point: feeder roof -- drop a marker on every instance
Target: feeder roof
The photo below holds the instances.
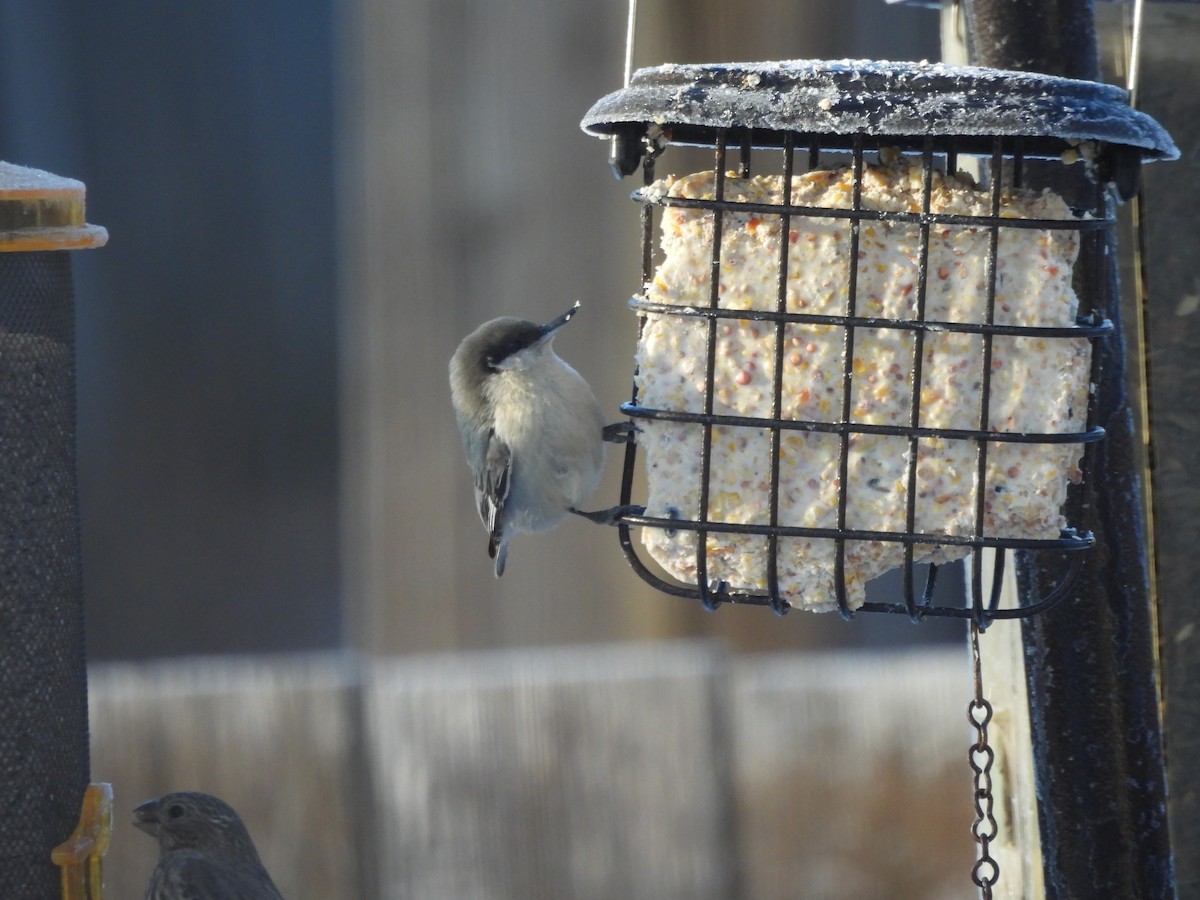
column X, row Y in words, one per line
column 875, row 98
column 41, row 211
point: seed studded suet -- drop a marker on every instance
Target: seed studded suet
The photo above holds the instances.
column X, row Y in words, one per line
column 1037, row 385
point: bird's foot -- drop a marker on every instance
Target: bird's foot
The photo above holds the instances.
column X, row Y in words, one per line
column 717, row 593
column 611, row 516
column 620, row 432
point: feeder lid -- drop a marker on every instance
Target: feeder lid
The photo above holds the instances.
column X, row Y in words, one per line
column 40, row 211
column 877, row 98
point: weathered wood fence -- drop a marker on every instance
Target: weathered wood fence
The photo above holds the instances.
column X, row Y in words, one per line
column 629, row 771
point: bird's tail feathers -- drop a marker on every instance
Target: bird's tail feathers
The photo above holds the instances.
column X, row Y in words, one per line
column 498, row 550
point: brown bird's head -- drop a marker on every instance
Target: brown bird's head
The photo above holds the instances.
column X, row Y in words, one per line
column 192, row 821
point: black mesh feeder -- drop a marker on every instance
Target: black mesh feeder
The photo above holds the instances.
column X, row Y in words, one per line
column 44, row 766
column 866, row 342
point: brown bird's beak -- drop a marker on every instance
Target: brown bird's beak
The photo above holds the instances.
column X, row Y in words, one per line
column 145, row 817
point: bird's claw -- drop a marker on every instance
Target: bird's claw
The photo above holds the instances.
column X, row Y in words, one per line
column 620, row 432
column 611, row 516
column 716, row 594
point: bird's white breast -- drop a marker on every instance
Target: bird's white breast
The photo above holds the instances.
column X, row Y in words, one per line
column 550, row 419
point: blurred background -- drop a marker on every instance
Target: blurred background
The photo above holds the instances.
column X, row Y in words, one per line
column 289, row 601
column 310, row 203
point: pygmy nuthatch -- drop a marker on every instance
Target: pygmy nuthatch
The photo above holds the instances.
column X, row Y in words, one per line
column 532, row 428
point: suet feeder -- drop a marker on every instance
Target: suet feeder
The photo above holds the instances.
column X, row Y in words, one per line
column 864, row 342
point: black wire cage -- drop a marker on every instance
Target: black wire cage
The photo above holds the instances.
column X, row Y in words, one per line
column 855, row 354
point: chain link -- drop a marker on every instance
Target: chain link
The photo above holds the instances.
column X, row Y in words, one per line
column 981, row 756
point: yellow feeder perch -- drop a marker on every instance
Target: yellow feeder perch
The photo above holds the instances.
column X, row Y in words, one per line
column 81, row 856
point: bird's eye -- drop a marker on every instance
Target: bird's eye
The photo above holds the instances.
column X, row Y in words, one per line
column 507, row 350
column 175, row 810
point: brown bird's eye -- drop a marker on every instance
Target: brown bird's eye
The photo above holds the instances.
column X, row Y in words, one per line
column 174, row 811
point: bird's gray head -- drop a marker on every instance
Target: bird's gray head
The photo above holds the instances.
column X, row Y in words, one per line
column 192, row 821
column 500, row 344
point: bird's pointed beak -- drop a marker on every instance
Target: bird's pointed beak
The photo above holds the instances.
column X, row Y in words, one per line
column 559, row 321
column 145, row 817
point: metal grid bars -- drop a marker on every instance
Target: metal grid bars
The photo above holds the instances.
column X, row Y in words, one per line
column 857, row 321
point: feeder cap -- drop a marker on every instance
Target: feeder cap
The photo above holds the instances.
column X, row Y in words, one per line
column 40, row 211
column 849, row 97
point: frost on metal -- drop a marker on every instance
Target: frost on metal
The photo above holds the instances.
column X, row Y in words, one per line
column 878, row 98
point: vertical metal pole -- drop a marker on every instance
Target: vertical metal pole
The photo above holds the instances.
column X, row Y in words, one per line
column 1091, row 662
column 1166, row 269
column 1054, row 37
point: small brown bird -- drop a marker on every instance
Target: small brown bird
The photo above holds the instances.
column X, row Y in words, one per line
column 205, row 852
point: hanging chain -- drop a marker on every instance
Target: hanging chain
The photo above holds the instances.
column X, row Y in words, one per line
column 981, row 756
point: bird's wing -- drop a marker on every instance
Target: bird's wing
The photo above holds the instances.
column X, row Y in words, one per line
column 491, row 488
column 185, row 875
column 491, row 460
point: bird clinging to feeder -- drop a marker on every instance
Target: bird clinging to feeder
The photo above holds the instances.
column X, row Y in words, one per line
column 531, row 427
